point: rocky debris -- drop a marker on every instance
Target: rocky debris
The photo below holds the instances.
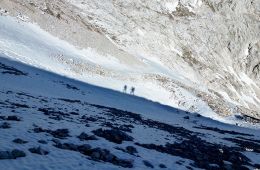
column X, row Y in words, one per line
column 162, row 166
column 96, row 154
column 42, row 141
column 59, row 133
column 19, row 141
column 87, row 118
column 125, row 128
column 70, row 146
column 246, row 144
column 12, row 154
column 186, row 117
column 203, row 153
column 39, row 130
column 38, row 151
column 137, row 119
column 69, row 86
column 70, row 101
column 74, row 113
column 251, row 118
column 17, row 105
column 148, row 164
column 131, row 150
column 13, row 118
column 17, row 153
column 5, row 125
column 11, row 70
column 113, row 135
column 56, row 115
column 221, row 131
column 84, row 136
column 105, row 155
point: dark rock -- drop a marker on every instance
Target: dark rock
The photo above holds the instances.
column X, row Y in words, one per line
column 13, row 118
column 198, row 115
column 91, row 119
column 148, row 164
column 74, row 113
column 38, row 150
column 85, row 149
column 18, row 105
column 221, row 131
column 11, row 70
column 124, row 163
column 95, row 155
column 84, row 136
column 19, row 141
column 17, row 153
column 5, row 155
column 5, row 125
column 42, row 141
column 203, row 153
column 113, row 135
column 186, row 117
column 109, row 157
column 38, row 130
column 60, row 133
column 67, row 146
column 131, row 150
column 162, row 166
column 257, row 166
column 246, row 143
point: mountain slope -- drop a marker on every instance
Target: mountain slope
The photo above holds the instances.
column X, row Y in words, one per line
column 60, row 123
column 202, row 55
column 61, row 105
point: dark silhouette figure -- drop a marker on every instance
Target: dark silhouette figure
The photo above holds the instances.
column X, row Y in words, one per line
column 132, row 91
column 125, row 89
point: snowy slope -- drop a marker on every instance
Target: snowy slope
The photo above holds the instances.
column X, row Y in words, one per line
column 39, row 103
column 51, row 92
column 33, row 46
column 200, row 56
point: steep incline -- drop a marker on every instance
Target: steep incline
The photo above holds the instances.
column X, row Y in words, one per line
column 51, row 122
column 199, row 55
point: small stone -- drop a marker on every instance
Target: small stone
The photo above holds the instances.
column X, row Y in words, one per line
column 17, row 153
column 19, row 141
column 85, row 149
column 68, row 146
column 84, row 136
column 95, row 155
column 162, row 166
column 113, row 135
column 186, row 117
column 148, row 164
column 60, row 133
column 39, row 151
column 42, row 141
column 131, row 150
column 109, row 157
column 5, row 155
column 5, row 125
column 13, row 118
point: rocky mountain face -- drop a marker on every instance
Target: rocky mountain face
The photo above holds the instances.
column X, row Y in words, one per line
column 207, row 48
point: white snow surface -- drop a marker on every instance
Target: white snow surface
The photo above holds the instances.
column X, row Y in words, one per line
column 28, row 43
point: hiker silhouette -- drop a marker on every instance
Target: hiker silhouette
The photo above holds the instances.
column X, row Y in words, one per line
column 125, row 89
column 132, row 91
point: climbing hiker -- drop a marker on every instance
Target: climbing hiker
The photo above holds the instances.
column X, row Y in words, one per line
column 132, row 91
column 125, row 88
